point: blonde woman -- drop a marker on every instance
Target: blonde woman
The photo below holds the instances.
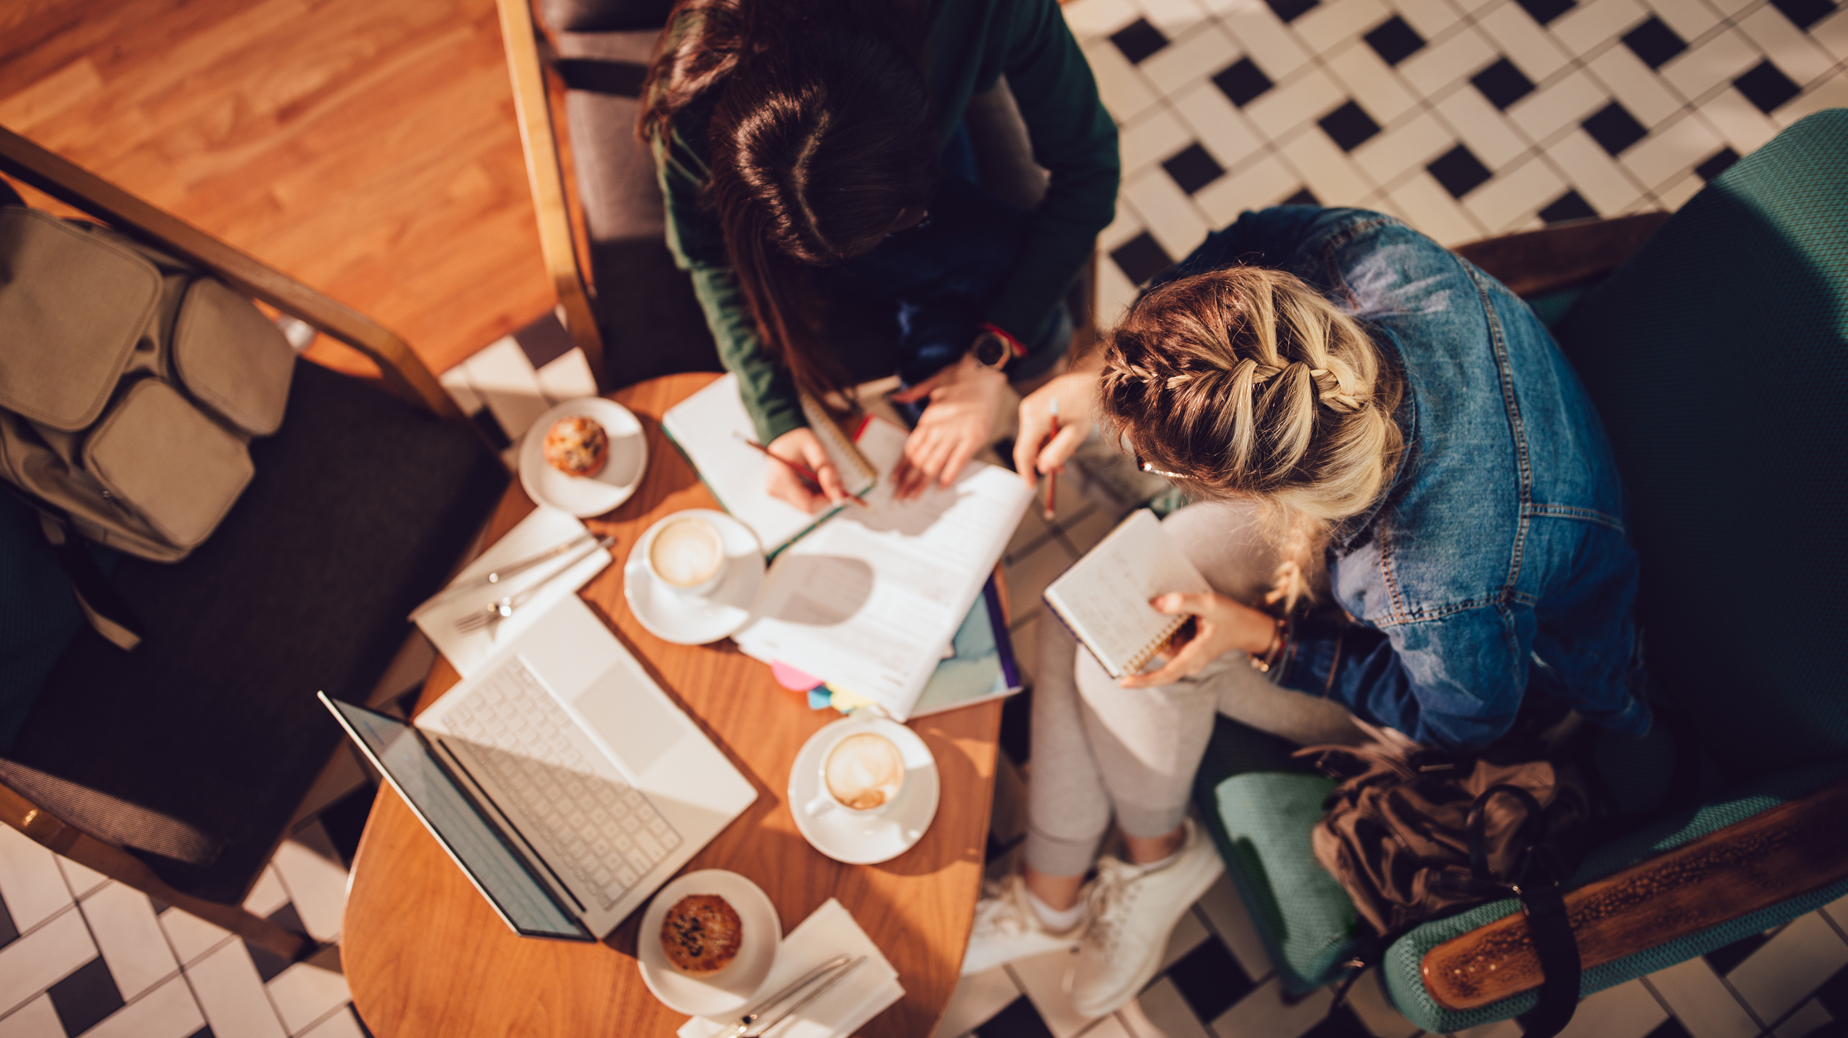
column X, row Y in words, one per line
column 1370, row 426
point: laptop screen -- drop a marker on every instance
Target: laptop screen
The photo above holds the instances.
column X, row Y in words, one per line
column 500, row 874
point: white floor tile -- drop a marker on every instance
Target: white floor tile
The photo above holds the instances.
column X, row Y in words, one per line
column 1788, row 967
column 1332, row 22
column 232, row 996
column 1371, row 1005
column 190, row 935
column 1170, row 216
column 1710, row 63
column 1304, row 99
column 123, row 923
column 1830, row 93
column 1266, row 181
column 1804, row 1021
column 1220, row 128
column 1794, row 52
column 1083, row 533
column 1109, row 1027
column 1642, row 91
column 1429, row 208
column 36, row 1019
column 1042, row 978
column 1093, row 18
column 1625, row 1011
column 1268, row 42
column 1737, row 120
column 455, row 380
column 1161, row 1012
column 1594, row 21
column 975, row 1000
column 30, row 880
column 1150, row 139
column 1676, row 193
column 1441, row 63
column 1428, row 17
column 1701, row 1001
column 1028, row 577
column 1196, row 56
column 1670, row 151
column 1124, row 92
column 168, row 1011
column 340, row 1025
column 1173, row 17
column 1126, row 225
column 1371, row 81
column 1558, row 105
column 1332, row 177
column 80, row 878
column 1832, row 33
column 1187, row 935
column 1599, row 180
column 1114, row 294
column 305, row 992
column 1523, row 41
column 1486, row 131
column 268, row 895
column 567, row 378
column 1409, row 145
column 1264, row 1014
column 316, row 880
column 1498, row 1029
column 37, row 960
column 1691, row 19
column 1514, row 194
column 1225, row 913
column 503, row 377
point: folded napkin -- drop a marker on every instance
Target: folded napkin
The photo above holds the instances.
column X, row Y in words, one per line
column 847, row 1006
column 556, row 578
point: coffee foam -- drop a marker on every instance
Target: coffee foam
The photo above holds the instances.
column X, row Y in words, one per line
column 686, row 551
column 864, row 771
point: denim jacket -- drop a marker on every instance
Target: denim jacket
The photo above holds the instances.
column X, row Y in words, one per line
column 1496, row 561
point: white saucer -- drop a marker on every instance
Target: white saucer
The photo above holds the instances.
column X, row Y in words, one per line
column 585, row 496
column 856, row 840
column 683, row 619
column 727, row 990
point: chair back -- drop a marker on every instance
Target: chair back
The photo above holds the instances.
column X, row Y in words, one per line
column 1717, row 358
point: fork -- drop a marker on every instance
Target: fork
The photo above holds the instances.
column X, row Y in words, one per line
column 504, row 607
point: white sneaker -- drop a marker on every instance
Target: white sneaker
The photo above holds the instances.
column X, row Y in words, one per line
column 1007, row 928
column 1133, row 910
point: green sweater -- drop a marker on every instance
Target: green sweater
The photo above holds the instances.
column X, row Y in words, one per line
column 972, row 44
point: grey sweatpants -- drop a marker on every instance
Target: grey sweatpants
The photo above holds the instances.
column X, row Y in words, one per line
column 1098, row 748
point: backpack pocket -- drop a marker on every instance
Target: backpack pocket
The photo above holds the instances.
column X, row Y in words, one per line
column 161, row 457
column 231, row 358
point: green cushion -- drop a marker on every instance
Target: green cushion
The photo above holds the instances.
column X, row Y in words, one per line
column 1401, row 969
column 1717, row 358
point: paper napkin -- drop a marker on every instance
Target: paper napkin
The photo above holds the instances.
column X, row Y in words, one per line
column 847, row 1006
column 556, row 578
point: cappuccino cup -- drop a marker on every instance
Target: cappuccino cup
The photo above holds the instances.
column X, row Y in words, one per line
column 688, row 555
column 862, row 772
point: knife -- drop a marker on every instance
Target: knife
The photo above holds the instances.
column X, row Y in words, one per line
column 509, row 570
column 752, row 1025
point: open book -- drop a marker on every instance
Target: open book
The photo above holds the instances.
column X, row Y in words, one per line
column 711, row 427
column 1104, row 597
column 868, row 601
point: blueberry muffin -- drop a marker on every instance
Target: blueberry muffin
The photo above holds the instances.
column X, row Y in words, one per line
column 577, row 446
column 701, row 934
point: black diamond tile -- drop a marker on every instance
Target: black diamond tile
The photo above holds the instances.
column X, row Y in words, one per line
column 1502, row 83
column 159, row 905
column 1717, row 163
column 1193, row 168
column 1303, row 196
column 1016, row 710
column 1138, row 40
column 1459, row 170
column 203, row 1032
column 544, row 340
column 1242, row 82
column 1544, row 11
column 1654, row 42
column 1018, row 1020
column 8, row 931
column 1290, row 10
column 1209, row 979
column 485, row 421
column 1140, row 259
column 1833, row 994
column 1342, row 1023
column 1670, row 1028
column 1766, row 86
column 1349, row 125
column 1805, row 13
column 268, row 963
column 1614, row 128
column 85, row 997
column 345, row 820
column 1568, row 206
column 1394, row 41
column 1724, row 959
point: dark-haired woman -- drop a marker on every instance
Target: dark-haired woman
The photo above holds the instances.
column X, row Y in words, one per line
column 812, row 154
column 1364, row 419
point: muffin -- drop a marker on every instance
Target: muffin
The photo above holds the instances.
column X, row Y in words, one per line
column 577, row 446
column 701, row 934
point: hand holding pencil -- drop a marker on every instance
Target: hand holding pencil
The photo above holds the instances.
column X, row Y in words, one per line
column 805, row 477
column 1054, row 420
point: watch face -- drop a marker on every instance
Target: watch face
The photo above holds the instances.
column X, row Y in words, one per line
column 990, row 350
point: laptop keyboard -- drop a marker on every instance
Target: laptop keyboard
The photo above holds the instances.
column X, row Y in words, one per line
column 608, row 833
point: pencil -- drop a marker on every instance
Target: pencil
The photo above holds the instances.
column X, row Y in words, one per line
column 1052, row 478
column 807, row 475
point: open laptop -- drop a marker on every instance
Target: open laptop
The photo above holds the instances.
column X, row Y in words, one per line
column 562, row 780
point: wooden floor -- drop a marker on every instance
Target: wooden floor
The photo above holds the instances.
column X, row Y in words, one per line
column 366, row 147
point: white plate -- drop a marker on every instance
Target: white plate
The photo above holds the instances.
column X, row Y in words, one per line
column 727, row 990
column 684, row 619
column 855, row 839
column 585, row 496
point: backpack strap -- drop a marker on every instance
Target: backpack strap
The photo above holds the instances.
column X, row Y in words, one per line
column 101, row 605
column 1537, row 884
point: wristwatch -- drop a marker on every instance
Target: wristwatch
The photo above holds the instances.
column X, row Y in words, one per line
column 994, row 348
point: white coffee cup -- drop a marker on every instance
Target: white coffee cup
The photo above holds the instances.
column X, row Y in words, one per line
column 862, row 773
column 687, row 554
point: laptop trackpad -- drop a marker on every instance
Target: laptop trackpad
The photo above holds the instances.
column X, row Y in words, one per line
column 635, row 724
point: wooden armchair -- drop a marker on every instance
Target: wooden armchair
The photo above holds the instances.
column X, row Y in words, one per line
column 1712, row 345
column 176, row 767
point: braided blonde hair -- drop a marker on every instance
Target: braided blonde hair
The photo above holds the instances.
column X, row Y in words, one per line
column 1246, row 382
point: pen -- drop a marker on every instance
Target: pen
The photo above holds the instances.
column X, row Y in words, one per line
column 807, row 475
column 1052, row 478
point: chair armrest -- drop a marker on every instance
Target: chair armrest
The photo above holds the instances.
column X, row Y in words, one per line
column 545, row 179
column 70, row 183
column 1539, row 261
column 1771, row 857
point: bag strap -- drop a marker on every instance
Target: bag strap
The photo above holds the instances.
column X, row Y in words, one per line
column 1537, row 883
column 101, row 605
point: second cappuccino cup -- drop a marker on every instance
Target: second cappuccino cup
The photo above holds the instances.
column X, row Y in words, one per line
column 688, row 555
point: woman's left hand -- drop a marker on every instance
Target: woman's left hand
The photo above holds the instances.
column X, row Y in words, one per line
column 964, row 400
column 1221, row 625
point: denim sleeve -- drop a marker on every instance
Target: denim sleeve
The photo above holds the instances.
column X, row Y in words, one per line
column 1454, row 682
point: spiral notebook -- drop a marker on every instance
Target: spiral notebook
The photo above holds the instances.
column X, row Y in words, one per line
column 1104, row 597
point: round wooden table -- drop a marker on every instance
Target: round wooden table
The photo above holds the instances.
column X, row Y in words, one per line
column 424, row 955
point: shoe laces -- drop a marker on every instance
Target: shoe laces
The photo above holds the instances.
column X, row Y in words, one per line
column 1113, row 896
column 1010, row 915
